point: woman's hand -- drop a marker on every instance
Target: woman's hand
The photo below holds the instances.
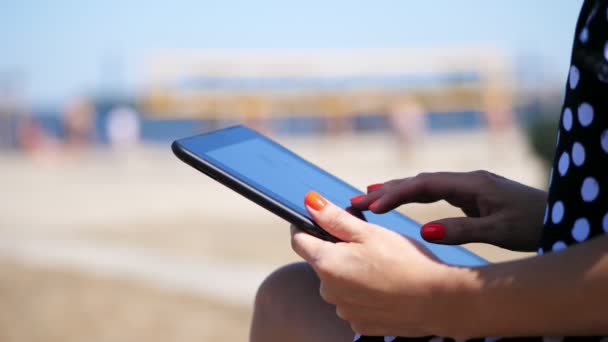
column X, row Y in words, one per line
column 385, row 284
column 381, row 282
column 500, row 211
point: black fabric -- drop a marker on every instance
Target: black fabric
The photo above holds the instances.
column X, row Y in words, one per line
column 574, row 185
column 577, row 206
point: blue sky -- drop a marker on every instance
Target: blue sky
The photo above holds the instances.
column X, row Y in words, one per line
column 58, row 48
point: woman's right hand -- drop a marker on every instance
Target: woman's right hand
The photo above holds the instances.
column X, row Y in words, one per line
column 499, row 211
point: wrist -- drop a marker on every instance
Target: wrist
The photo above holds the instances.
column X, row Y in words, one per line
column 455, row 303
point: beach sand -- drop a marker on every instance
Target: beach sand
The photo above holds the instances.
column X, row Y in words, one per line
column 107, row 245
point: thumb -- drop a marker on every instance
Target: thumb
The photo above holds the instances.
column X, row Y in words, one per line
column 457, row 230
column 333, row 219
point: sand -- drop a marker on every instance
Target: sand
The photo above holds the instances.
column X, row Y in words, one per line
column 129, row 245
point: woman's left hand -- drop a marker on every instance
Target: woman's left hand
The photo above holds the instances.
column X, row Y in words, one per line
column 381, row 282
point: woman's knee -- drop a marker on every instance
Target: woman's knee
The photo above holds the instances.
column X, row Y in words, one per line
column 284, row 287
column 288, row 307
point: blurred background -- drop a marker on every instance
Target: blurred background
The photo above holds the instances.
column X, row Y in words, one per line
column 105, row 236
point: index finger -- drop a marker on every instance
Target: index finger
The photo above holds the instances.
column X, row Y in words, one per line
column 307, row 246
column 454, row 187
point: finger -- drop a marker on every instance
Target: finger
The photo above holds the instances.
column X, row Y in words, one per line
column 335, row 220
column 374, row 191
column 326, row 294
column 356, row 213
column 459, row 230
column 456, row 188
column 307, row 246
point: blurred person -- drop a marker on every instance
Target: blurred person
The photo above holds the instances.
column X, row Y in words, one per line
column 33, row 139
column 497, row 113
column 407, row 122
column 380, row 283
column 30, row 135
column 6, row 128
column 79, row 116
column 123, row 126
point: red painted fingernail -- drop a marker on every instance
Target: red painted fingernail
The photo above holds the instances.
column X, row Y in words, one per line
column 357, row 198
column 373, row 187
column 372, row 205
column 432, row 231
column 315, row 201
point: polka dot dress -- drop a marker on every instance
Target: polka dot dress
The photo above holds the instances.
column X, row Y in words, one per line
column 577, row 208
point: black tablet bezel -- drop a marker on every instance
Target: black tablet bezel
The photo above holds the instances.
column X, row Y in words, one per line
column 236, row 134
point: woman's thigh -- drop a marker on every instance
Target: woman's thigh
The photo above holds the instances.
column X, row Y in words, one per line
column 288, row 307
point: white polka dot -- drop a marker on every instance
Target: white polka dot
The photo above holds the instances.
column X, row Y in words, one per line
column 590, row 189
column 567, row 119
column 580, row 230
column 558, row 246
column 491, row 339
column 389, row 338
column 541, row 251
column 357, row 336
column 578, row 154
column 574, row 76
column 585, row 114
column 584, row 36
column 546, row 213
column 605, row 222
column 604, row 140
column 606, row 50
column 557, row 213
column 437, row 339
column 564, row 163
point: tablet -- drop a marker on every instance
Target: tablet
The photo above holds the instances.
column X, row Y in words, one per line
column 277, row 179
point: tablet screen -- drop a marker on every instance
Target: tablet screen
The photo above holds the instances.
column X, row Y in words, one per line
column 282, row 175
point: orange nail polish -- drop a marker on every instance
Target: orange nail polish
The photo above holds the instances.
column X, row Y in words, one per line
column 357, row 198
column 315, row 201
column 373, row 187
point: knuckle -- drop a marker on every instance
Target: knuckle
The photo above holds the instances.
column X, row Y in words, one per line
column 354, row 326
column 337, row 219
column 324, row 268
column 296, row 243
column 390, row 187
column 391, row 183
column 484, row 177
column 342, row 313
column 423, row 175
column 364, row 329
column 387, row 190
column 423, row 180
column 326, row 294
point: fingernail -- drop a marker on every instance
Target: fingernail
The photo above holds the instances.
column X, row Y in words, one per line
column 432, row 231
column 373, row 187
column 357, row 198
column 373, row 205
column 315, row 201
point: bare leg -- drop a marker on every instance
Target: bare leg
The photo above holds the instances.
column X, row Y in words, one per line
column 288, row 308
